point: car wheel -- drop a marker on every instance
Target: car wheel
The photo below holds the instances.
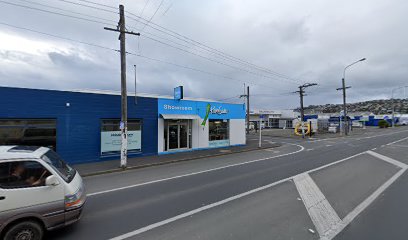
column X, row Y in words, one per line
column 27, row 230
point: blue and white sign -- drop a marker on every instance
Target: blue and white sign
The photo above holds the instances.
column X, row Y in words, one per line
column 112, row 141
column 213, row 110
column 178, row 93
column 218, row 143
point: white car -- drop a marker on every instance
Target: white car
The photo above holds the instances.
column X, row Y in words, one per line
column 38, row 192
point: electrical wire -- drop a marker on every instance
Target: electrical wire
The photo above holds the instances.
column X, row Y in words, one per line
column 153, row 39
column 84, row 5
column 154, row 14
column 209, row 49
column 99, row 4
column 55, row 13
column 69, row 11
column 199, row 43
column 130, row 53
column 57, row 36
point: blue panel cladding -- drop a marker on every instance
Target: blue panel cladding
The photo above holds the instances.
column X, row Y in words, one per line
column 79, row 125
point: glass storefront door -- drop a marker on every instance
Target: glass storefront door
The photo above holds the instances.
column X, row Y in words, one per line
column 173, row 137
column 183, row 129
column 178, row 136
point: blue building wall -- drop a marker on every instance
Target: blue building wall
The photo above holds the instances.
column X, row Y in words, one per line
column 78, row 126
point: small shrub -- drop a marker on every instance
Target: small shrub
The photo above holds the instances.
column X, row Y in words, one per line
column 383, row 124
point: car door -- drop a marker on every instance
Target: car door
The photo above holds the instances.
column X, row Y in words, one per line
column 23, row 191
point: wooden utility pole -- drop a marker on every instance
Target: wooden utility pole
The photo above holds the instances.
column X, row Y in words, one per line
column 302, row 111
column 121, row 28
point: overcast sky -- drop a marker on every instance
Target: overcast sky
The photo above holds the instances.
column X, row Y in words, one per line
column 304, row 41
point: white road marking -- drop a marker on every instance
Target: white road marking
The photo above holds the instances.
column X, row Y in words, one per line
column 310, row 149
column 323, row 216
column 362, row 206
column 388, row 159
column 360, row 138
column 398, row 145
column 328, row 145
column 388, row 144
column 195, row 173
column 195, row 211
column 330, row 234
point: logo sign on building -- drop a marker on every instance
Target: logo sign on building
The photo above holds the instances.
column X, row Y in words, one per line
column 218, row 110
column 178, row 93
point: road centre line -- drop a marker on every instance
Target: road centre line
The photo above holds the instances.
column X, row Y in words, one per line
column 388, row 144
column 195, row 173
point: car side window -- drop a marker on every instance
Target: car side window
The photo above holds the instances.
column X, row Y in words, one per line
column 22, row 174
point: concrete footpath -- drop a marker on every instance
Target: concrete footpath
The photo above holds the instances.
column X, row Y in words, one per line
column 95, row 168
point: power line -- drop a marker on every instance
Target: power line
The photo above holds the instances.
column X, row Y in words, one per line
column 144, row 7
column 154, row 14
column 84, row 5
column 148, row 22
column 64, row 10
column 201, row 44
column 153, row 39
column 55, row 13
column 99, row 4
column 210, row 59
column 209, row 49
column 57, row 36
column 134, row 54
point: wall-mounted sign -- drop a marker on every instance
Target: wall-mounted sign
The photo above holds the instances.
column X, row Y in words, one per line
column 219, row 143
column 218, row 110
column 178, row 93
column 206, row 110
column 111, row 141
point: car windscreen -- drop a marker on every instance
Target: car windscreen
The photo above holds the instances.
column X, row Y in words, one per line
column 63, row 169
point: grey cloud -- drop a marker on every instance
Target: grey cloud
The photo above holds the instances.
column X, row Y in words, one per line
column 312, row 41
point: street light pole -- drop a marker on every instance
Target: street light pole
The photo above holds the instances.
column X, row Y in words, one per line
column 343, row 81
column 393, row 103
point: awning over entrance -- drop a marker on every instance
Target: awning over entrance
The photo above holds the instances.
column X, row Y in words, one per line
column 180, row 116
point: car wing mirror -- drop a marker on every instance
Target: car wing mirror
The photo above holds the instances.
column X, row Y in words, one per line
column 52, row 181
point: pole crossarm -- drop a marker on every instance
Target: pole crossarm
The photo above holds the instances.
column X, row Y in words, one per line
column 118, row 30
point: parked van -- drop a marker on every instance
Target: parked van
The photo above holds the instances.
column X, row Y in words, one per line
column 38, row 192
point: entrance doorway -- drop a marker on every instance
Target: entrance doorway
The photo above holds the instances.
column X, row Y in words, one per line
column 178, row 134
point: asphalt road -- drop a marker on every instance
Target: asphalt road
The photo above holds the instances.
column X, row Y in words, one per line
column 254, row 195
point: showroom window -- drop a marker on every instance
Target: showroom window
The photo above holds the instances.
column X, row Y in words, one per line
column 218, row 129
column 111, row 136
column 31, row 132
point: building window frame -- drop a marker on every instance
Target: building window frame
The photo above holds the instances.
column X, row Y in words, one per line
column 114, row 128
column 30, row 129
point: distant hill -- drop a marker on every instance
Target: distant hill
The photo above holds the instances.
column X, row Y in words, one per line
column 373, row 106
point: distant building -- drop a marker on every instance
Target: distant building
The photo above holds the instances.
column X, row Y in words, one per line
column 274, row 118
